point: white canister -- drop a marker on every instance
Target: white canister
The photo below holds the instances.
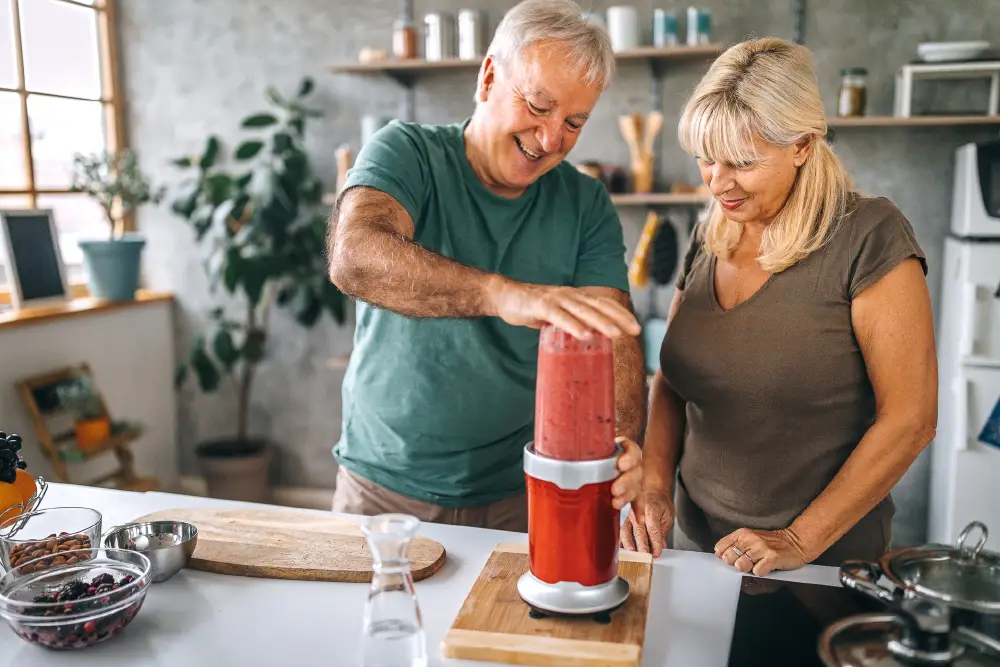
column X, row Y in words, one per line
column 370, row 124
column 623, row 27
column 471, row 34
column 439, row 36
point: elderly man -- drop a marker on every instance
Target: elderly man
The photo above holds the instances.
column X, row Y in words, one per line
column 460, row 242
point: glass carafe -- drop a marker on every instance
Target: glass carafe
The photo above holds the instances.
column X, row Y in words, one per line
column 393, row 632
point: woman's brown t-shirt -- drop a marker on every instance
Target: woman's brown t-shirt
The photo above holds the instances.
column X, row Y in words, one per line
column 776, row 388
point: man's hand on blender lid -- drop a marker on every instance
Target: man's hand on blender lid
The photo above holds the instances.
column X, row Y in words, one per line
column 626, row 488
column 569, row 308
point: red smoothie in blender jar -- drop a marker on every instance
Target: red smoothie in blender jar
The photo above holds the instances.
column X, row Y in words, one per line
column 575, row 397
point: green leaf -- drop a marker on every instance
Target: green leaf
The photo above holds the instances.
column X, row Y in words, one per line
column 233, row 269
column 224, row 349
column 217, row 313
column 285, row 295
column 211, row 153
column 186, row 200
column 306, row 306
column 259, row 120
column 218, row 187
column 335, row 301
column 180, row 375
column 248, row 149
column 204, row 368
column 274, row 97
column 255, row 275
column 282, row 142
column 222, row 212
column 305, row 87
column 182, row 162
column 244, row 180
column 298, row 124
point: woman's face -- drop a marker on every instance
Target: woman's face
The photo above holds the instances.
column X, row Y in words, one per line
column 755, row 192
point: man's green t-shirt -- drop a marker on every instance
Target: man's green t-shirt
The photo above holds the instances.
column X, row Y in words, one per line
column 440, row 409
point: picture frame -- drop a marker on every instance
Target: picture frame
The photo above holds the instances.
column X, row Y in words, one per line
column 29, row 247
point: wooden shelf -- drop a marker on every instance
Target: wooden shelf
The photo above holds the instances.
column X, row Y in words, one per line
column 911, row 121
column 659, row 199
column 414, row 66
column 76, row 307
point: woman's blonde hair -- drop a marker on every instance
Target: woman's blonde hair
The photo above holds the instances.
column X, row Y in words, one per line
column 766, row 90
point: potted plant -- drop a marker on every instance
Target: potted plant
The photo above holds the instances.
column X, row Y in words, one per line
column 81, row 398
column 116, row 182
column 263, row 224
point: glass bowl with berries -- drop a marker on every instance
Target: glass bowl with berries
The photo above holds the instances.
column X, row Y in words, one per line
column 47, row 536
column 79, row 605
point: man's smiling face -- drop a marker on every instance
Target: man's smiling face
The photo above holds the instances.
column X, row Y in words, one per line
column 534, row 110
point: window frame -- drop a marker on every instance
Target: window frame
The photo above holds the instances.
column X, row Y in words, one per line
column 110, row 99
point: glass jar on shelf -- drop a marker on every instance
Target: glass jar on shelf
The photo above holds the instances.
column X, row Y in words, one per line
column 404, row 40
column 853, row 95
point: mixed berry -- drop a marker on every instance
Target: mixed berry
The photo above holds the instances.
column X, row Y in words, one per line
column 10, row 462
column 76, row 598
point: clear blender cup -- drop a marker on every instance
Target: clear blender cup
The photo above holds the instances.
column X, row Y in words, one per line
column 575, row 397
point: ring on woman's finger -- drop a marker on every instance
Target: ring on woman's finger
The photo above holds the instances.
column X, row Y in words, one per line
column 743, row 554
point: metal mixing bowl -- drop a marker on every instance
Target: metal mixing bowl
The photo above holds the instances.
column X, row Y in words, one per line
column 168, row 544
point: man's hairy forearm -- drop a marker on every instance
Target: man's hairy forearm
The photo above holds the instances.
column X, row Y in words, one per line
column 373, row 261
column 629, row 388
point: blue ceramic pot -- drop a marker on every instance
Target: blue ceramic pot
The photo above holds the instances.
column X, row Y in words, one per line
column 113, row 267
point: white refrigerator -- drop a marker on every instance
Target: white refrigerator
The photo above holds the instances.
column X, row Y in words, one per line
column 965, row 455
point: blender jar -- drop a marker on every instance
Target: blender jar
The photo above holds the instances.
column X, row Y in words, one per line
column 575, row 397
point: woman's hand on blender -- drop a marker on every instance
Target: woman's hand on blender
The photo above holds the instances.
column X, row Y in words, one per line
column 626, row 488
column 649, row 521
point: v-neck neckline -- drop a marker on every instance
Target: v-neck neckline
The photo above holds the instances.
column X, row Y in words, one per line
column 714, row 298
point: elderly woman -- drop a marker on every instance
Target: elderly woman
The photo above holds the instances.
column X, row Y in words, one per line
column 799, row 379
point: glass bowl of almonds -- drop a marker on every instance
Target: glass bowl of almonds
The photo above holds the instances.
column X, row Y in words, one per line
column 46, row 537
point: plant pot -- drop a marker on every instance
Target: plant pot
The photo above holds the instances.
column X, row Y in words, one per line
column 237, row 470
column 92, row 433
column 112, row 266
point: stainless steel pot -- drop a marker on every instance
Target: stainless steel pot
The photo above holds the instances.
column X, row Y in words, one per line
column 964, row 578
column 942, row 608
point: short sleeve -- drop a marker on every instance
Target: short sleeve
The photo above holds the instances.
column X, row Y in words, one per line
column 882, row 238
column 694, row 247
column 393, row 161
column 601, row 257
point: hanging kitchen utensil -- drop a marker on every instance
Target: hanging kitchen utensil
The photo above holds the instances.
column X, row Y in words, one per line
column 638, row 272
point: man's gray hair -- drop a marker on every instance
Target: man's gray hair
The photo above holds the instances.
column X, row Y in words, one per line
column 562, row 22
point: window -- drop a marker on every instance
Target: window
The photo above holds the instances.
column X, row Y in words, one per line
column 58, row 96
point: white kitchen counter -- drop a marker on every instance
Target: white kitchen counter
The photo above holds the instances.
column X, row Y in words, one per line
column 197, row 618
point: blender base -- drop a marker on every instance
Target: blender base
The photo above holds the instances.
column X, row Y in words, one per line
column 569, row 598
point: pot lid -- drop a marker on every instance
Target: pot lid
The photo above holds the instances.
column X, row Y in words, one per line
column 964, row 576
column 876, row 640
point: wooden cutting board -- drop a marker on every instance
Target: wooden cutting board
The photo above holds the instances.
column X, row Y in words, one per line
column 280, row 544
column 493, row 624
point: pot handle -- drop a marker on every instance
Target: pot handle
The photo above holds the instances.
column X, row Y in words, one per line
column 862, row 576
column 972, row 553
column 977, row 641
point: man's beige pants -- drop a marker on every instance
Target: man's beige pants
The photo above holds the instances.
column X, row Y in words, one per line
column 356, row 495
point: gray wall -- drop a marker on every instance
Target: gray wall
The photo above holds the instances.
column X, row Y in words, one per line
column 192, row 67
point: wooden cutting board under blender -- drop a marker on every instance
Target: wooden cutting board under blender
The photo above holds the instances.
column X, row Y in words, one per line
column 285, row 544
column 493, row 624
